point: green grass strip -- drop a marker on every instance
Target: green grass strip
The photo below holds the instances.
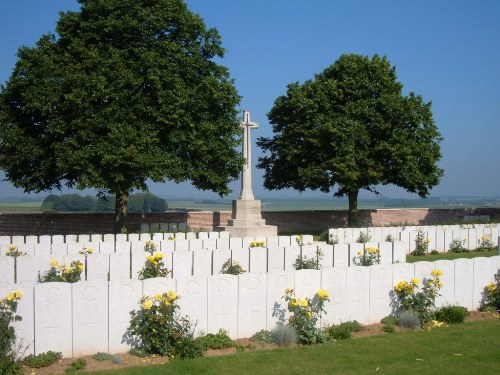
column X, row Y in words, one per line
column 469, row 348
column 449, row 256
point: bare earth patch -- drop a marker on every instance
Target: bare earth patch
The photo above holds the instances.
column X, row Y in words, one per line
column 128, row 360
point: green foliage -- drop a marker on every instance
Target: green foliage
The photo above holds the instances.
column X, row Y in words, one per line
column 389, row 320
column 284, row 335
column 485, row 244
column 370, row 257
column 389, row 238
column 456, row 246
column 434, row 252
column 218, row 340
column 62, row 272
column 343, row 330
column 305, row 313
column 232, row 267
column 409, row 319
column 350, row 129
column 42, row 360
column 9, row 361
column 158, row 329
column 263, row 337
column 77, row 365
column 491, row 294
column 154, row 266
column 138, row 352
column 128, row 92
column 420, row 302
column 389, row 328
column 363, row 237
column 102, row 356
column 306, row 263
column 451, row 314
column 421, row 244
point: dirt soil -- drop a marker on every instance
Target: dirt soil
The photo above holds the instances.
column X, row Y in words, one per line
column 128, row 360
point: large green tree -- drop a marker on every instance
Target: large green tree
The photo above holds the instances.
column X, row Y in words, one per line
column 351, row 128
column 124, row 92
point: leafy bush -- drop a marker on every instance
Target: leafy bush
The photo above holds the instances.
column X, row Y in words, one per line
column 138, row 352
column 102, row 356
column 492, row 295
column 422, row 303
column 343, row 330
column 159, row 331
column 369, row 258
column 154, row 266
column 306, row 263
column 284, row 335
column 389, row 320
column 363, row 237
column 232, row 267
column 42, row 360
column 486, row 244
column 218, row 340
column 421, row 244
column 456, row 246
column 409, row 319
column 389, row 328
column 9, row 361
column 62, row 272
column 451, row 314
column 389, row 238
column 305, row 314
column 77, row 365
column 263, row 337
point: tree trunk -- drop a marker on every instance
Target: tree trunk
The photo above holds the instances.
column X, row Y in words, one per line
column 121, row 209
column 353, row 209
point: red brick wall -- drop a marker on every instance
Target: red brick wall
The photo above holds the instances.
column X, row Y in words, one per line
column 286, row 221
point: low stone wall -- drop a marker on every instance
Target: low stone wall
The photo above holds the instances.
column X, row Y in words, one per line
column 286, row 221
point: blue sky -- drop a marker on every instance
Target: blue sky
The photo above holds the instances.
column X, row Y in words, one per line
column 447, row 51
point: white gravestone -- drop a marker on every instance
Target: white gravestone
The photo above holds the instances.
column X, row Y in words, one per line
column 27, row 269
column 124, row 296
column 59, row 249
column 224, row 235
column 209, row 244
column 53, row 314
column 464, row 282
column 223, row 304
column 119, row 267
column 272, row 241
column 107, row 247
column 5, row 240
column 236, row 243
column 6, row 270
column 71, row 238
column 133, row 237
column 245, row 242
column 202, row 235
column 275, row 259
column 31, row 240
column 251, row 303
column 194, row 301
column 223, row 244
column 202, row 263
column 213, row 235
column 333, row 280
column 98, row 267
column 195, row 245
column 182, row 264
column 122, row 247
column 473, row 239
column 423, row 270
column 440, row 246
column 355, row 249
column 341, row 255
column 447, row 292
column 137, row 247
column 277, row 311
column 291, row 255
column 258, row 260
column 74, row 248
column 326, row 260
column 285, row 241
column 46, row 240
column 398, row 252
column 358, row 293
column 307, row 283
column 380, row 291
column 218, row 259
column 58, row 239
column 167, row 245
column 241, row 256
column 96, row 237
column 182, row 245
column 158, row 285
column 495, row 265
column 385, row 252
column 83, row 238
column 145, row 236
column 109, row 237
column 90, row 317
column 191, row 236
column 157, row 237
column 482, row 277
column 17, row 240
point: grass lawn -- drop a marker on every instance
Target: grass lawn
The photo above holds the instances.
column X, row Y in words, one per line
column 450, row 256
column 468, row 348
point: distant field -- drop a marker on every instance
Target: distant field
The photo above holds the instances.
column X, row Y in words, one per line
column 9, row 207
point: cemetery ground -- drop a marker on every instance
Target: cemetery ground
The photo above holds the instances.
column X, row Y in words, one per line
column 466, row 348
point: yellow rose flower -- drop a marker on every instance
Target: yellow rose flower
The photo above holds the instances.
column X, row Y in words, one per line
column 304, row 303
column 147, row 304
column 491, row 287
column 322, row 294
column 171, row 295
column 288, row 291
column 158, row 296
column 415, row 281
column 53, row 263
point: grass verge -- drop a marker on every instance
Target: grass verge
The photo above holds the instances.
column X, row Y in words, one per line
column 449, row 256
column 469, row 348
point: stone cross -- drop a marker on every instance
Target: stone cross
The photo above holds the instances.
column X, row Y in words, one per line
column 246, row 178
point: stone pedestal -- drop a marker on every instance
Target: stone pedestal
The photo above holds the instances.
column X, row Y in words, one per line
column 246, row 220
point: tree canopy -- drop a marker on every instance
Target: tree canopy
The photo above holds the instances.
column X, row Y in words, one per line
column 351, row 128
column 126, row 91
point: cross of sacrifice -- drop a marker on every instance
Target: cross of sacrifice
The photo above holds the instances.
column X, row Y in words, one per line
column 246, row 177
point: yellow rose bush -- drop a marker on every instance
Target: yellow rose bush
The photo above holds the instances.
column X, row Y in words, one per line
column 154, row 266
column 61, row 272
column 370, row 257
column 156, row 328
column 258, row 244
column 305, row 314
column 13, row 251
column 419, row 297
column 491, row 295
column 9, row 361
column 232, row 267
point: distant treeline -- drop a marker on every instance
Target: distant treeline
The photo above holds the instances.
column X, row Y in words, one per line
column 140, row 202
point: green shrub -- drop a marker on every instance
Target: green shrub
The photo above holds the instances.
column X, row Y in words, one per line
column 263, row 337
column 42, row 360
column 389, row 320
column 434, row 252
column 306, row 263
column 421, row 244
column 456, row 246
column 9, row 354
column 389, row 328
column 284, row 335
column 451, row 314
column 102, row 356
column 138, row 352
column 218, row 340
column 154, row 266
column 77, row 365
column 62, row 272
column 408, row 319
column 363, row 237
column 338, row 332
column 491, row 295
column 232, row 267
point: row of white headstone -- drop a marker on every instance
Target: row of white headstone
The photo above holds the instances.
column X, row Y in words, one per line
column 127, row 264
column 440, row 236
column 89, row 317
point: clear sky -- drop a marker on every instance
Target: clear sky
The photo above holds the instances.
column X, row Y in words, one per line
column 448, row 51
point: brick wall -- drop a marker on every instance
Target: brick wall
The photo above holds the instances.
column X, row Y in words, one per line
column 286, row 221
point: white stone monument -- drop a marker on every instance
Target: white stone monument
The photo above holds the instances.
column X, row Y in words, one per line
column 246, row 219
